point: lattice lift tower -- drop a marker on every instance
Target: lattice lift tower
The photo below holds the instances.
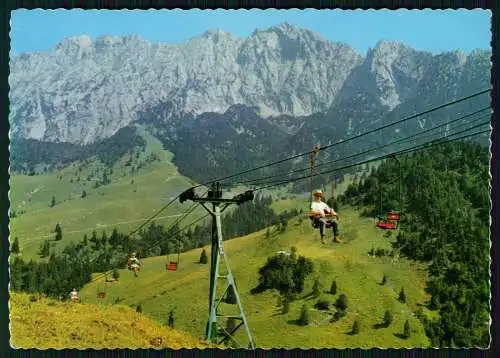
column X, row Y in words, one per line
column 218, row 262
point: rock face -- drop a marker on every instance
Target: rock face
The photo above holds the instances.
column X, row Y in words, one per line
column 83, row 91
column 277, row 92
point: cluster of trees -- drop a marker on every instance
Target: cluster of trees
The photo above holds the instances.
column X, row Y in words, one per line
column 285, row 273
column 54, row 278
column 445, row 222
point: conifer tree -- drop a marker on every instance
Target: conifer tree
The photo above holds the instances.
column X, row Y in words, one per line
column 387, row 318
column 333, row 288
column 355, row 328
column 230, row 324
column 406, row 329
column 15, row 246
column 286, row 305
column 230, row 296
column 171, row 319
column 342, row 302
column 116, row 274
column 203, row 257
column 402, row 296
column 304, row 316
column 316, row 288
column 44, row 250
column 58, row 232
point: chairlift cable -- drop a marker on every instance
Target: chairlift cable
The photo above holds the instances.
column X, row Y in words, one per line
column 252, row 182
column 413, row 116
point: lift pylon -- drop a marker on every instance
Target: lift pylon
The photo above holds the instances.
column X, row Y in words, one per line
column 220, row 269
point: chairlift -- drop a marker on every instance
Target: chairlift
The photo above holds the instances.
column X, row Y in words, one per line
column 134, row 267
column 172, row 265
column 101, row 292
column 385, row 224
column 393, row 215
column 392, row 218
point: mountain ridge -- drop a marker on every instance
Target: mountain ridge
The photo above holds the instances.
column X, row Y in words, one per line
column 85, row 90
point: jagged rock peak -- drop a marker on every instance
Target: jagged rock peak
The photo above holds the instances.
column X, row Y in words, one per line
column 81, row 40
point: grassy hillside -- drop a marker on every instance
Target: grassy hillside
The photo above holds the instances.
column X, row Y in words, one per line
column 45, row 323
column 124, row 203
column 356, row 273
column 140, row 183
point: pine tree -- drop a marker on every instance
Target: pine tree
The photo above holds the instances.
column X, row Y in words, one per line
column 316, row 288
column 44, row 250
column 203, row 257
column 304, row 316
column 293, row 254
column 230, row 296
column 58, row 232
column 402, row 296
column 230, row 324
column 16, row 274
column 406, row 330
column 387, row 318
column 355, row 328
column 333, row 288
column 104, row 239
column 284, row 225
column 114, row 238
column 171, row 319
column 85, row 240
column 138, row 308
column 286, row 305
column 384, row 280
column 116, row 274
column 53, row 202
column 342, row 302
column 15, row 246
column 84, row 194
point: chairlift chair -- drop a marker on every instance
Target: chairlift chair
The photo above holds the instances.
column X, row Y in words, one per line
column 172, row 265
column 101, row 293
column 393, row 215
column 385, row 224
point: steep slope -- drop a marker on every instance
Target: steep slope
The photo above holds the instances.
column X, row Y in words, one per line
column 185, row 291
column 42, row 323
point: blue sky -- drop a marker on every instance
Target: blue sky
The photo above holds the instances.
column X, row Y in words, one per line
column 431, row 30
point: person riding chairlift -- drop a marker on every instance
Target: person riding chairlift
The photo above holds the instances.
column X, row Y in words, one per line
column 74, row 295
column 321, row 213
column 133, row 263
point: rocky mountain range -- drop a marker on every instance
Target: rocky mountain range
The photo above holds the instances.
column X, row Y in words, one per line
column 277, row 91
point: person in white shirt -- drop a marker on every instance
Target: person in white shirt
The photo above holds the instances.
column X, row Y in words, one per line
column 321, row 213
column 74, row 295
column 134, row 264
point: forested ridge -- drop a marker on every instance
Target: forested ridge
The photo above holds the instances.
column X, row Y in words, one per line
column 445, row 222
